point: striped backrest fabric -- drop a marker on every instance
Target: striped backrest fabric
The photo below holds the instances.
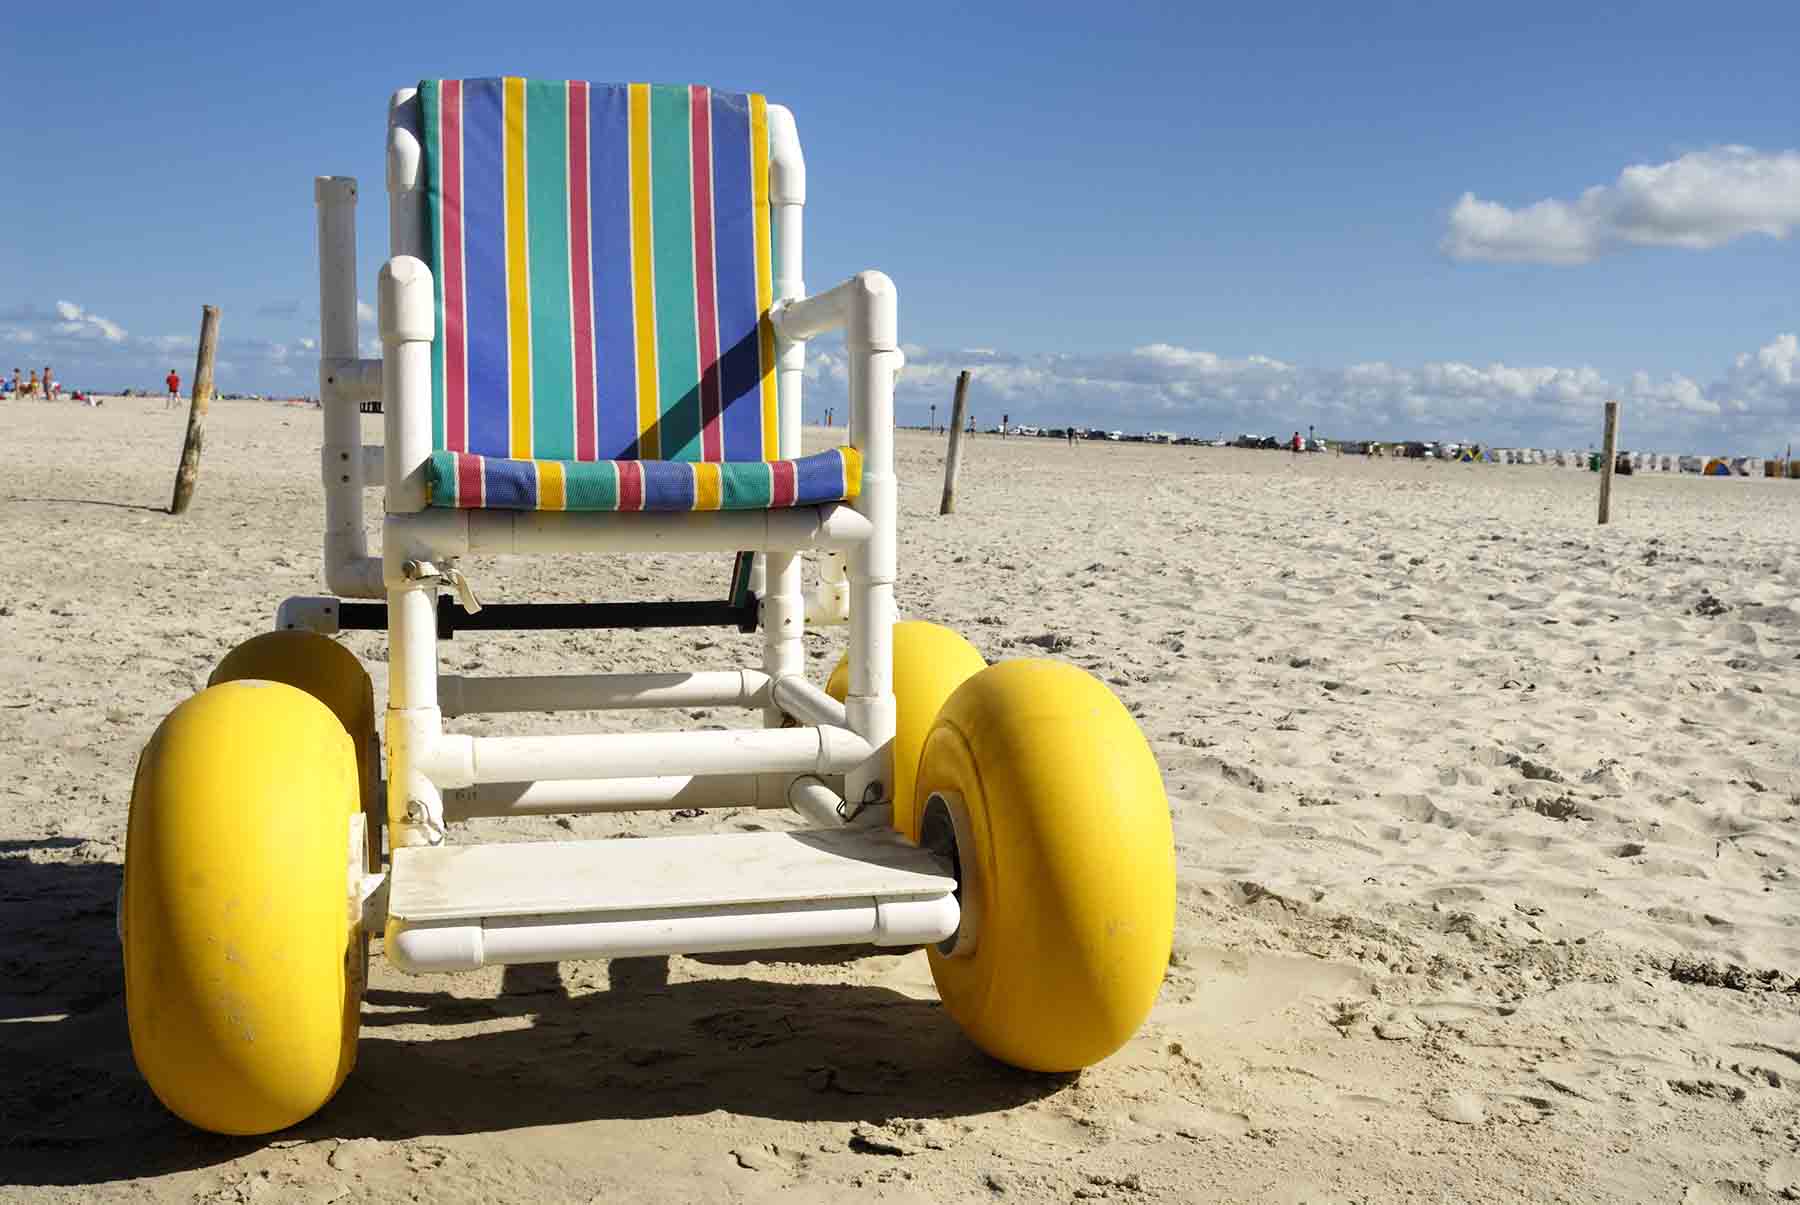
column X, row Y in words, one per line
column 603, row 261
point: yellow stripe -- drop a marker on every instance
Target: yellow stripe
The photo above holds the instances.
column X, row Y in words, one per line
column 643, row 274
column 765, row 287
column 518, row 271
column 553, row 492
column 852, row 472
column 708, row 486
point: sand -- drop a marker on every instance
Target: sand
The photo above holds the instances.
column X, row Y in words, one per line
column 1486, row 820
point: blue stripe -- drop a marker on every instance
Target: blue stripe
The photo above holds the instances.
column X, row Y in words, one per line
column 734, row 254
column 668, row 485
column 511, row 484
column 615, row 324
column 819, row 478
column 484, row 206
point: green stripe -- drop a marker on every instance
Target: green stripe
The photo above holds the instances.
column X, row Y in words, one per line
column 591, row 485
column 547, row 198
column 429, row 102
column 745, row 485
column 739, row 593
column 672, row 214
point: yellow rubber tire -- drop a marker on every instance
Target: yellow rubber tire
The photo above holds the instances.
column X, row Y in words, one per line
column 930, row 662
column 1070, row 881
column 330, row 673
column 243, row 972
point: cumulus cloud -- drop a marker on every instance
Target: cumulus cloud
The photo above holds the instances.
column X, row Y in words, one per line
column 89, row 350
column 1702, row 200
column 1162, row 385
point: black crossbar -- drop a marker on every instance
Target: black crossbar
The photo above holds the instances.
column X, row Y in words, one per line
column 535, row 617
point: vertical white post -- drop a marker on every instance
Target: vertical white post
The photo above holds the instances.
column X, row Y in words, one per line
column 783, row 600
column 414, row 724
column 348, row 570
column 872, row 340
column 405, row 175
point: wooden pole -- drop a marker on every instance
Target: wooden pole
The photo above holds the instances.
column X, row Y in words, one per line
column 1608, row 454
column 953, row 458
column 189, row 472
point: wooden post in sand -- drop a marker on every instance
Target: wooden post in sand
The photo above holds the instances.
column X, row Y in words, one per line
column 1608, row 453
column 953, row 458
column 189, row 472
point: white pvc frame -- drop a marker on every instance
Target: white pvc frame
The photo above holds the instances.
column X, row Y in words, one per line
column 842, row 752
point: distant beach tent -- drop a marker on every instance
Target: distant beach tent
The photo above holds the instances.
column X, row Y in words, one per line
column 1716, row 468
column 1468, row 455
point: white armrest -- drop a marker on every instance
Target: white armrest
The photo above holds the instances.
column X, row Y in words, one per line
column 866, row 305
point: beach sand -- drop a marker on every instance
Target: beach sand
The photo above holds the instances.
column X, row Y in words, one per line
column 1487, row 825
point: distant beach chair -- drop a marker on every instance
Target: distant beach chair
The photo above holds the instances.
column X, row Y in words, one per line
column 594, row 334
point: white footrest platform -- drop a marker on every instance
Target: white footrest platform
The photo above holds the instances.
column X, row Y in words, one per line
column 450, row 882
column 456, row 908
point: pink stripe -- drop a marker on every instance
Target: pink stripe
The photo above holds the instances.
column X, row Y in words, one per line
column 784, row 483
column 705, row 282
column 456, row 367
column 469, row 490
column 631, row 484
column 581, row 273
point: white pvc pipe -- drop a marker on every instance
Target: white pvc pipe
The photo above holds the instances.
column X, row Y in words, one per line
column 664, row 793
column 309, row 613
column 406, row 199
column 822, row 750
column 408, row 321
column 349, row 570
column 817, row 802
column 500, row 532
column 782, row 589
column 806, row 702
column 466, row 946
column 350, row 380
column 460, row 695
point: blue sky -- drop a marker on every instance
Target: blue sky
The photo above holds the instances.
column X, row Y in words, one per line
column 1139, row 215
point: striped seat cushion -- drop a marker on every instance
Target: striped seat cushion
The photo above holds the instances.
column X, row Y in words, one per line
column 602, row 255
column 465, row 479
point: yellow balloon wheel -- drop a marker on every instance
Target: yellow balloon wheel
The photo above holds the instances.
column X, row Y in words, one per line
column 330, row 673
column 243, row 970
column 930, row 662
column 1066, row 864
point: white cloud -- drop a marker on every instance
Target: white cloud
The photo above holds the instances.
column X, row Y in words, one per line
column 1702, row 200
column 88, row 350
column 1757, row 402
column 75, row 321
column 365, row 313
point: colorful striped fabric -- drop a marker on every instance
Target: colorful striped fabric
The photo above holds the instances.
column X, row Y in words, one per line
column 465, row 479
column 603, row 259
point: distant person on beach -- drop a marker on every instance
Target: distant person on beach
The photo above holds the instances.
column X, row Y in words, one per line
column 31, row 385
column 173, row 381
column 1003, row 421
column 1071, row 437
column 1295, row 443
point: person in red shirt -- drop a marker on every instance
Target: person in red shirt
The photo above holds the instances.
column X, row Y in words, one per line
column 173, row 381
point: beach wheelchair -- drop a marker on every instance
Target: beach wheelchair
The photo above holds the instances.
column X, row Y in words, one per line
column 593, row 335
